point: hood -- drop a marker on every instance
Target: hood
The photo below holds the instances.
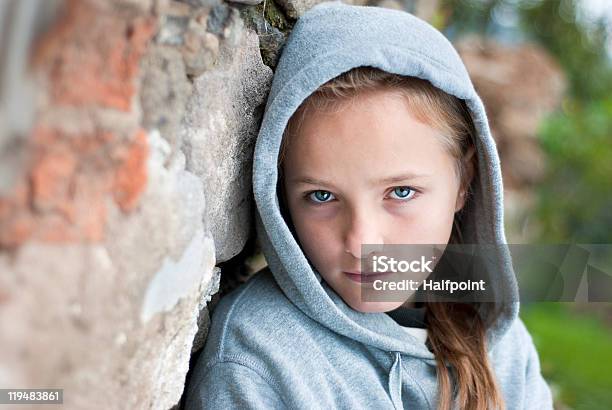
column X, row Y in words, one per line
column 327, row 40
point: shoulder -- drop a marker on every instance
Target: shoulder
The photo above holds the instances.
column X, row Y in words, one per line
column 236, row 367
column 257, row 340
column 246, row 320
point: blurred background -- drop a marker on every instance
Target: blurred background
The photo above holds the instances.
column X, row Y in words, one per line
column 126, row 137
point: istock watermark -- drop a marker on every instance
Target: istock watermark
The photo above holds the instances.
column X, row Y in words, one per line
column 386, row 264
column 430, row 285
column 487, row 273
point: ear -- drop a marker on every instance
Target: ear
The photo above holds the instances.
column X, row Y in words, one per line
column 468, row 159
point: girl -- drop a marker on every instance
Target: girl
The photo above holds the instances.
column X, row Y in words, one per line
column 372, row 134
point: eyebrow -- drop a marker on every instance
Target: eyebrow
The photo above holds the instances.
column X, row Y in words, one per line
column 381, row 181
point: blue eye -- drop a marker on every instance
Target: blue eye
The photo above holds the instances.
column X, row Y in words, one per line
column 404, row 192
column 320, row 198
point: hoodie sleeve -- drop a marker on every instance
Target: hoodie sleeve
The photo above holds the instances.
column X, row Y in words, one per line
column 537, row 392
column 231, row 385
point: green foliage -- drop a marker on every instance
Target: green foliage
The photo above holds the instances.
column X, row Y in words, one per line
column 470, row 15
column 274, row 15
column 580, row 50
column 575, row 200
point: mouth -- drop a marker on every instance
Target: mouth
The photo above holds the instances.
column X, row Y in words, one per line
column 365, row 276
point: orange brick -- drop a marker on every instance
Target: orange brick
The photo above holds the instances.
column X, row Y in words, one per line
column 131, row 176
column 51, row 180
column 17, row 229
column 92, row 57
column 70, row 177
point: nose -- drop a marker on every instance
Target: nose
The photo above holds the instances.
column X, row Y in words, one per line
column 362, row 228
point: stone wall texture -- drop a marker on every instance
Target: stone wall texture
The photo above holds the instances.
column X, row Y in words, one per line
column 127, row 184
column 127, row 129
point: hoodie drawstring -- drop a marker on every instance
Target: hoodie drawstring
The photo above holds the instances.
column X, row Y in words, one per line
column 395, row 382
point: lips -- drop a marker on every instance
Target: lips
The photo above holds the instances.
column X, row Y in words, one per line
column 365, row 276
column 363, row 273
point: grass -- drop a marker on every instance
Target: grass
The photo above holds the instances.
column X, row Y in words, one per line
column 575, row 354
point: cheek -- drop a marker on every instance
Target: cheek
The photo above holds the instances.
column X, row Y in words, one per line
column 428, row 222
column 315, row 235
column 437, row 223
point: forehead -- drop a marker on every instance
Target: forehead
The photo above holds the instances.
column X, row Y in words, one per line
column 375, row 128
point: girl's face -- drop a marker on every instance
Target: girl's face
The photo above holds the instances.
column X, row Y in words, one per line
column 367, row 174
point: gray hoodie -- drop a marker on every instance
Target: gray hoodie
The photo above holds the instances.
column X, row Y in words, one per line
column 285, row 339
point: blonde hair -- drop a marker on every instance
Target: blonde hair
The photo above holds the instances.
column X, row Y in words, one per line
column 456, row 333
